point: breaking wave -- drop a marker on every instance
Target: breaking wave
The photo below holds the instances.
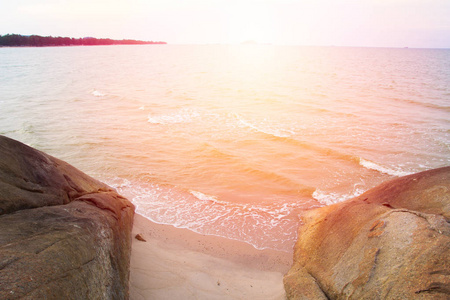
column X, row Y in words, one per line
column 277, row 132
column 98, row 93
column 389, row 171
column 264, row 226
column 331, row 198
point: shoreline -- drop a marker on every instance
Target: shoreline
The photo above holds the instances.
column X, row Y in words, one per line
column 176, row 262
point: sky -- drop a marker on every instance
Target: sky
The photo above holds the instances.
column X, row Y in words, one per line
column 366, row 23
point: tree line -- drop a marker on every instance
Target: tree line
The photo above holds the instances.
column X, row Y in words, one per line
column 42, row 41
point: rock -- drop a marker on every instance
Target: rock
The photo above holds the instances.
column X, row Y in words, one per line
column 392, row 242
column 63, row 234
column 139, row 237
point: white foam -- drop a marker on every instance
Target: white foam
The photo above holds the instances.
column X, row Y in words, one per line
column 271, row 225
column 333, row 198
column 98, row 93
column 203, row 197
column 278, row 132
column 373, row 166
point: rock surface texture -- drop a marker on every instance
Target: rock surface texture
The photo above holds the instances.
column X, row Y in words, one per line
column 63, row 234
column 392, row 242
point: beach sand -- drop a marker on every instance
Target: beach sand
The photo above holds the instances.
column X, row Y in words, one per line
column 177, row 263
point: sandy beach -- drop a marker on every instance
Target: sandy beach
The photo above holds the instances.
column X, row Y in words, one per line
column 177, row 263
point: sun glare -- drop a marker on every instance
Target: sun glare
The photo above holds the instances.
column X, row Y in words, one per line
column 249, row 22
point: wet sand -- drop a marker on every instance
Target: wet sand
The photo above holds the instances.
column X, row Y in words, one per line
column 177, row 263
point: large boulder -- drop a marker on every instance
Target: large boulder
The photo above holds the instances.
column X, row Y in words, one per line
column 63, row 234
column 392, row 242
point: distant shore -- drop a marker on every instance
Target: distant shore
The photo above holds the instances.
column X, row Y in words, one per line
column 17, row 40
column 176, row 262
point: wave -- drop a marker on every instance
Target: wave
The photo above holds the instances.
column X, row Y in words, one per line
column 263, row 225
column 329, row 152
column 329, row 198
column 288, row 136
column 277, row 132
column 98, row 93
column 389, row 171
column 445, row 108
column 271, row 132
column 333, row 198
column 181, row 116
column 204, row 197
column 279, row 182
column 234, row 121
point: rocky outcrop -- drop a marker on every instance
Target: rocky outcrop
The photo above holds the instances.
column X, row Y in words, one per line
column 392, row 242
column 63, row 234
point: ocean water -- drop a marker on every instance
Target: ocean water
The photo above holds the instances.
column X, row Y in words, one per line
column 235, row 141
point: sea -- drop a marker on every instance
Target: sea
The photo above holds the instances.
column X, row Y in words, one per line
column 235, row 141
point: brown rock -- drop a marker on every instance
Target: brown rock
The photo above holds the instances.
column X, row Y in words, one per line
column 392, row 242
column 63, row 234
column 139, row 237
